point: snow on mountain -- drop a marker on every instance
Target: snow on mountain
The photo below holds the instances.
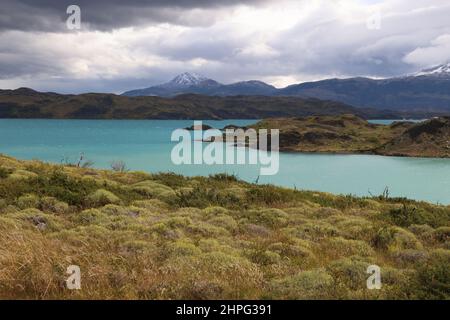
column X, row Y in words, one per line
column 428, row 88
column 442, row 70
column 187, row 79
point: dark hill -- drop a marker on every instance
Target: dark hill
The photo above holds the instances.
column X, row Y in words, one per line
column 351, row 134
column 430, row 138
column 27, row 103
column 407, row 93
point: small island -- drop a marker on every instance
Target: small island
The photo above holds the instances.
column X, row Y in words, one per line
column 351, row 134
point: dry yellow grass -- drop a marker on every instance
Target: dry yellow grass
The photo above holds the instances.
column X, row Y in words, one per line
column 162, row 236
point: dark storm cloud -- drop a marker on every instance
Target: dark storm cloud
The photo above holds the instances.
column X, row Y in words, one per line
column 50, row 15
column 278, row 41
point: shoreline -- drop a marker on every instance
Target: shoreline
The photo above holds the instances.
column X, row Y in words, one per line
column 243, row 180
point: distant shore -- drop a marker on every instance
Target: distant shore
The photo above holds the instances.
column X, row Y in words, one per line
column 349, row 134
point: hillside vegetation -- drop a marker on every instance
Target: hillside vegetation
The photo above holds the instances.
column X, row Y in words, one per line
column 351, row 134
column 163, row 236
column 27, row 103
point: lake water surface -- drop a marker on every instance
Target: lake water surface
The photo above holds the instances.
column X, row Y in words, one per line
column 145, row 145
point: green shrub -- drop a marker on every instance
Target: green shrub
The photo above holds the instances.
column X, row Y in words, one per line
column 296, row 250
column 60, row 185
column 313, row 284
column 90, row 216
column 166, row 231
column 51, row 204
column 350, row 273
column 263, row 257
column 214, row 245
column 22, row 175
column 206, row 230
column 170, row 179
column 154, row 205
column 339, row 247
column 3, row 204
column 272, row 217
column 224, row 221
column 9, row 209
column 182, row 248
column 234, row 192
column 433, row 276
column 224, row 177
column 178, row 222
column 4, row 172
column 153, row 189
column 202, row 197
column 215, row 210
column 410, row 257
column 255, row 230
column 407, row 215
column 354, row 228
column 211, row 275
column 442, row 234
column 269, row 195
column 101, row 197
column 322, row 213
column 423, row 231
column 316, row 230
column 138, row 247
column 100, row 182
column 396, row 239
column 28, row 201
column 39, row 219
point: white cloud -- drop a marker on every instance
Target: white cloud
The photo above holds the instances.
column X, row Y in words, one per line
column 279, row 42
column 437, row 52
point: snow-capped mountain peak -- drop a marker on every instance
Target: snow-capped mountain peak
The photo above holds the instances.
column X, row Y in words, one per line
column 442, row 70
column 188, row 79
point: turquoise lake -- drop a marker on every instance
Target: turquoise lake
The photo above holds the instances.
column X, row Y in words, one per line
column 146, row 145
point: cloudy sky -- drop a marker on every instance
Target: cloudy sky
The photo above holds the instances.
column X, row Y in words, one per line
column 132, row 44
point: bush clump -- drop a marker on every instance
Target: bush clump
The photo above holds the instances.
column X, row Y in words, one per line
column 396, row 239
column 209, row 276
column 102, row 197
column 225, row 221
column 313, row 284
column 153, row 189
column 406, row 215
column 28, row 201
column 350, row 273
column 51, row 204
column 263, row 257
column 4, row 172
column 433, row 276
column 442, row 234
column 90, row 216
column 340, row 247
column 22, row 175
column 272, row 218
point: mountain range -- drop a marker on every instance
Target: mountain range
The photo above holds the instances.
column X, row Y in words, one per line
column 198, row 84
column 28, row 103
column 425, row 91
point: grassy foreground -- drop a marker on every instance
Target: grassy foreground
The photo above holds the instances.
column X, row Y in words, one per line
column 163, row 236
